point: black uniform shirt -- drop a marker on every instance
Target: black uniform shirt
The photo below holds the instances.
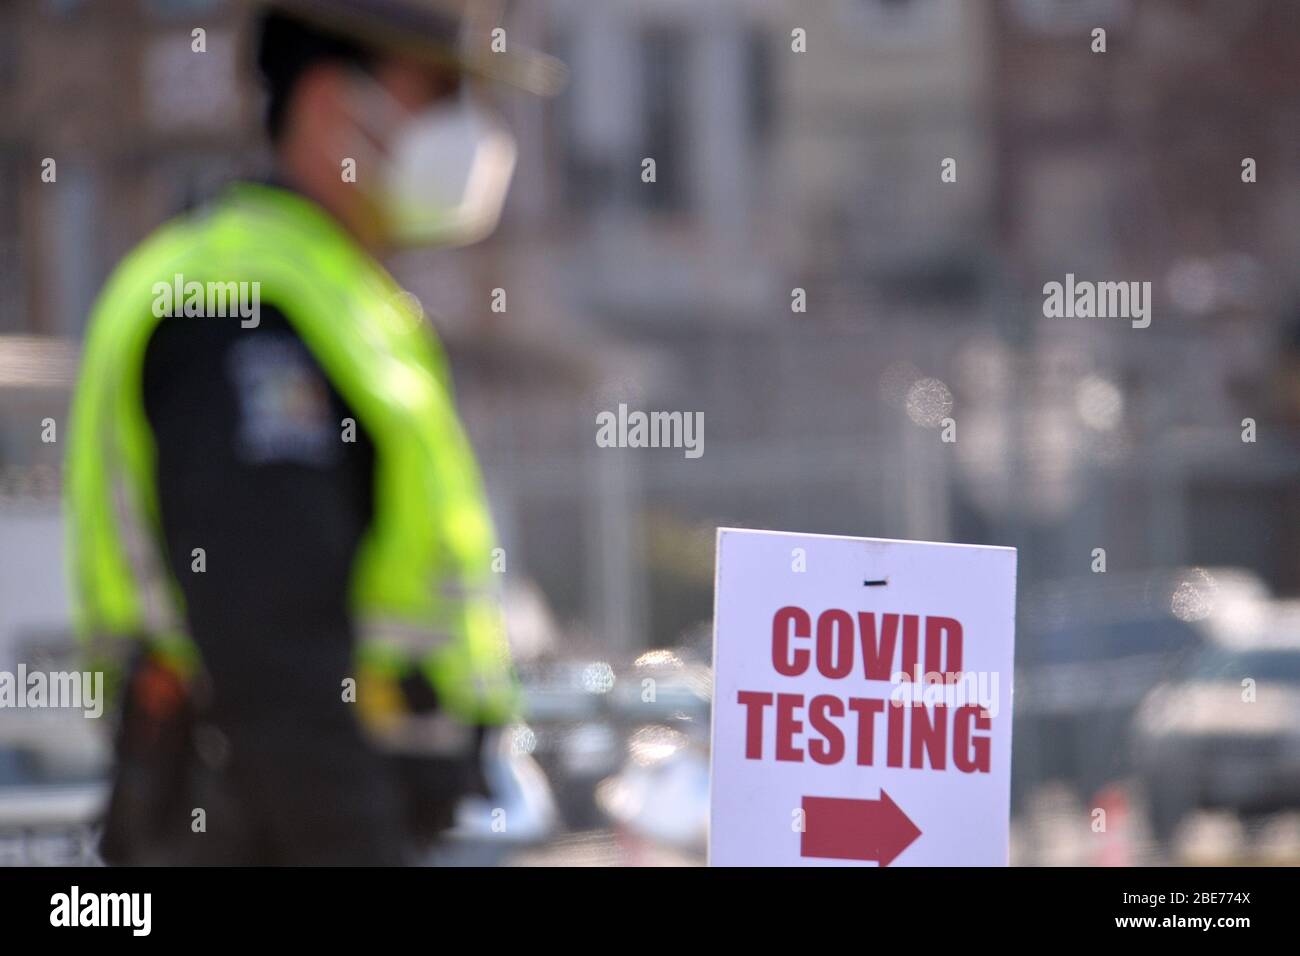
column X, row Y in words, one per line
column 254, row 470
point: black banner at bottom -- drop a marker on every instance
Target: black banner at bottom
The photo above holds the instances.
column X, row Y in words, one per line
column 598, row 907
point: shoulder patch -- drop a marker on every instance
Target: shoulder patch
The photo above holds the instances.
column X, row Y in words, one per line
column 284, row 402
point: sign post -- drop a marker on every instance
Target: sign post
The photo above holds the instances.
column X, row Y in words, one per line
column 862, row 701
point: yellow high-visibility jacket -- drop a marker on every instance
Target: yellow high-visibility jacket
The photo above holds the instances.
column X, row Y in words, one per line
column 422, row 590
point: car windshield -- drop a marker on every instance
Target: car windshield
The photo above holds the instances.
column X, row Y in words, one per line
column 1281, row 665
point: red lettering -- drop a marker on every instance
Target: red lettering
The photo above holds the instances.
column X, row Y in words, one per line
column 786, row 663
column 787, row 727
column 929, row 736
column 924, row 746
column 832, row 749
column 894, row 731
column 835, row 643
column 911, row 627
column 936, row 629
column 962, row 744
column 866, row 708
column 753, row 701
column 877, row 650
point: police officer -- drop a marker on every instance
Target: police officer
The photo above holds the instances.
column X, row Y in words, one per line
column 275, row 514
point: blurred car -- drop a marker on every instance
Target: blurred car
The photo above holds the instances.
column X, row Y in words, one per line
column 520, row 811
column 583, row 711
column 660, row 797
column 1226, row 733
column 1090, row 649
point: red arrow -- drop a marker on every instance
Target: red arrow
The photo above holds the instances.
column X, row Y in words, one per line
column 837, row 829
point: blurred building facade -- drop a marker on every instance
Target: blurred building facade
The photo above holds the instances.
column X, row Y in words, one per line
column 776, row 171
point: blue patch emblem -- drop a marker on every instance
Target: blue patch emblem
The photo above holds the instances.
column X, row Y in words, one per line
column 284, row 403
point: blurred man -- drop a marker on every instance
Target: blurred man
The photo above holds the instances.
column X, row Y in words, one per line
column 273, row 503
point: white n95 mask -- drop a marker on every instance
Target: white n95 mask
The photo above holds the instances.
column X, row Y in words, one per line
column 444, row 178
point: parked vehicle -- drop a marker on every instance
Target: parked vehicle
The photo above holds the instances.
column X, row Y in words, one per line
column 520, row 811
column 1225, row 733
column 1090, row 649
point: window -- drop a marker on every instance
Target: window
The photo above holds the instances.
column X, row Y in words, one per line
column 665, row 113
column 13, row 316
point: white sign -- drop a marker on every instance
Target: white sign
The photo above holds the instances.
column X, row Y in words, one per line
column 862, row 701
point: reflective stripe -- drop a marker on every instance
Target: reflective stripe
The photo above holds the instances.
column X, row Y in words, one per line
column 412, row 641
column 456, row 590
column 433, row 735
column 157, row 607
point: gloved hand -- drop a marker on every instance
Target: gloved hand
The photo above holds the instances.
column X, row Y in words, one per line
column 155, row 754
